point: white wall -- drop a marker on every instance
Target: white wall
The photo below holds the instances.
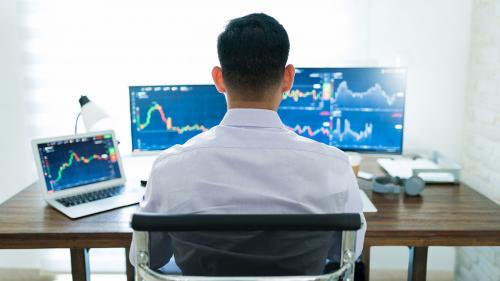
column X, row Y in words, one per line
column 16, row 166
column 482, row 132
column 53, row 51
column 432, row 39
column 396, row 258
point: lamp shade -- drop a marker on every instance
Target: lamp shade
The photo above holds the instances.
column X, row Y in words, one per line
column 94, row 117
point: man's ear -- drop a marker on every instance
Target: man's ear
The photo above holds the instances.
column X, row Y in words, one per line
column 288, row 77
column 218, row 80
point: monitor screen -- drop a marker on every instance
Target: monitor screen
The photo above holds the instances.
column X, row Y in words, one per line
column 78, row 161
column 162, row 116
column 354, row 109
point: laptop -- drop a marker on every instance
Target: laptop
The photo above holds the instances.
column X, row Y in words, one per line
column 80, row 175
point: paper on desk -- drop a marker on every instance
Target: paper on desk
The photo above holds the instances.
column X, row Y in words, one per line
column 437, row 177
column 403, row 168
column 368, row 206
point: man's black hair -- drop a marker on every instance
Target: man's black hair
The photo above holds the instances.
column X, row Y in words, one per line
column 253, row 51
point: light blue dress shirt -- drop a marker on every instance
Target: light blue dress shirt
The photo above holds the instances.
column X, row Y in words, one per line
column 250, row 163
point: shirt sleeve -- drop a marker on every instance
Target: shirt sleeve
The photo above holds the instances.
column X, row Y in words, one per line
column 353, row 205
column 160, row 244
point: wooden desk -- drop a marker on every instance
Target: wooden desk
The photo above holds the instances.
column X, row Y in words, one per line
column 445, row 215
column 27, row 222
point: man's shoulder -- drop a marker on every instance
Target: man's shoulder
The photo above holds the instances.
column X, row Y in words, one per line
column 314, row 146
column 289, row 141
column 195, row 142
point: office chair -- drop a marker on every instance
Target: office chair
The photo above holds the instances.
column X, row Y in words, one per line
column 143, row 223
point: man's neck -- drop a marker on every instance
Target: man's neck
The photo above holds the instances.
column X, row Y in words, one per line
column 270, row 104
column 252, row 104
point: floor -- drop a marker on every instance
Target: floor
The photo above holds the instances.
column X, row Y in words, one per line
column 36, row 275
column 396, row 275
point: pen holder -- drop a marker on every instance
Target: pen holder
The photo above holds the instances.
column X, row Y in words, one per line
column 355, row 160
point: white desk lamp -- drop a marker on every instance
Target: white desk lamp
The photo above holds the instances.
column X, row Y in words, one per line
column 94, row 117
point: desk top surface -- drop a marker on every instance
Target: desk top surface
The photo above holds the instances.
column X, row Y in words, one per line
column 447, row 215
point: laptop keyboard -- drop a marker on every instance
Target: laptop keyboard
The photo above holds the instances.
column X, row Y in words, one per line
column 91, row 196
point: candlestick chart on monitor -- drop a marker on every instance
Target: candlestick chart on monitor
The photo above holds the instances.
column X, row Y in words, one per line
column 163, row 116
column 78, row 161
column 351, row 108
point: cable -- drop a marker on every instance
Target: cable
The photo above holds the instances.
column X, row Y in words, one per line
column 76, row 123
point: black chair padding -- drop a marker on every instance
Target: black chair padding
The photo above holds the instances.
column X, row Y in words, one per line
column 246, row 222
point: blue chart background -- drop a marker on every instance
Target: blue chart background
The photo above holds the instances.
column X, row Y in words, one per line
column 391, row 80
column 314, row 119
column 304, row 81
column 195, row 104
column 385, row 137
column 78, row 173
column 352, row 101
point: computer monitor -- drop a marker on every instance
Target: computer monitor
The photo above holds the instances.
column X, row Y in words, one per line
column 354, row 109
column 162, row 116
column 69, row 162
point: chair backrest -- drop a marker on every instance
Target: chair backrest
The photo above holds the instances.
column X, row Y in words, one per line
column 142, row 223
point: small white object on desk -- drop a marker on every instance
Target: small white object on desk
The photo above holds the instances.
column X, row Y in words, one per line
column 403, row 168
column 365, row 175
column 368, row 206
column 138, row 168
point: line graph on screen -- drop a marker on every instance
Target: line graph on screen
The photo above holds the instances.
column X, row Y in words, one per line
column 166, row 120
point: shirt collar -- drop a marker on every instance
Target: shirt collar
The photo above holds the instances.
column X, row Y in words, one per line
column 252, row 117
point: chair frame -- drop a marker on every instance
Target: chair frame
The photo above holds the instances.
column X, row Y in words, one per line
column 143, row 223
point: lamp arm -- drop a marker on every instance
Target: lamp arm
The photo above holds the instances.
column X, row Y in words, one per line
column 76, row 122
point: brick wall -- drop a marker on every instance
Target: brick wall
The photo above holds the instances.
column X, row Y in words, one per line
column 481, row 150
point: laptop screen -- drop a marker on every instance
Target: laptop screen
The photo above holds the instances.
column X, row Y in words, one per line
column 78, row 161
